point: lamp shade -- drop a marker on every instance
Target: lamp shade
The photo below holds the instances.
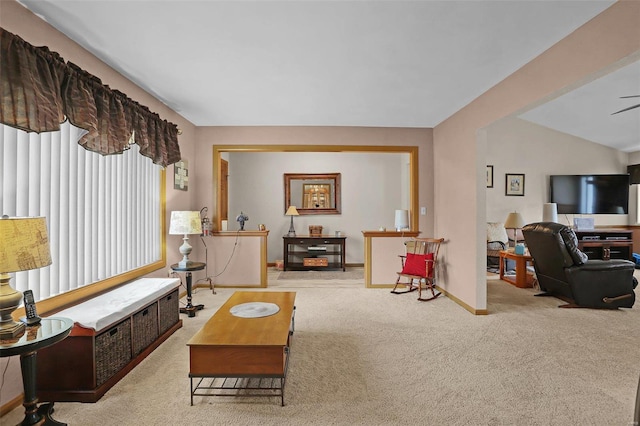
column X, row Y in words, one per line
column 550, row 212
column 292, row 211
column 402, row 219
column 514, row 221
column 185, row 222
column 24, row 244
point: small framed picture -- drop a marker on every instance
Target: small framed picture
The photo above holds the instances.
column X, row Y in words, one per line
column 489, row 176
column 514, row 184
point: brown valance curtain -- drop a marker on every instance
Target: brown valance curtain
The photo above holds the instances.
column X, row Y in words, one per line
column 39, row 90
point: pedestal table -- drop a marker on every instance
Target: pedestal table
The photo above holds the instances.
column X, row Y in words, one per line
column 48, row 332
column 190, row 309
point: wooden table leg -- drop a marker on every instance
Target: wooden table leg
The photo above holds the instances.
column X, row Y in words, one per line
column 521, row 272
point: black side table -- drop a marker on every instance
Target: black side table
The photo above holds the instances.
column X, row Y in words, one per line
column 46, row 333
column 190, row 309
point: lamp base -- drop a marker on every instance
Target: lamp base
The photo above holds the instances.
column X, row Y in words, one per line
column 184, row 263
column 9, row 301
column 292, row 230
column 12, row 329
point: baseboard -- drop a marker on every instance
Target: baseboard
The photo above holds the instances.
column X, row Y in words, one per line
column 348, row 265
column 463, row 304
column 11, row 405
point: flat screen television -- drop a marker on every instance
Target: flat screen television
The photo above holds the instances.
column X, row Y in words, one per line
column 590, row 194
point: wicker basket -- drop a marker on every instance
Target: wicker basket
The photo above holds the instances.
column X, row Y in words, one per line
column 113, row 351
column 169, row 311
column 315, row 261
column 145, row 328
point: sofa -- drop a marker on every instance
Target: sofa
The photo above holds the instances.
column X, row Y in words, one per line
column 566, row 272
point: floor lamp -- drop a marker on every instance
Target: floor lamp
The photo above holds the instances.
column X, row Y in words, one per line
column 206, row 231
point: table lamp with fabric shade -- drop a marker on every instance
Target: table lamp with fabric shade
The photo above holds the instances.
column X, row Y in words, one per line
column 402, row 220
column 185, row 223
column 514, row 221
column 24, row 245
column 550, row 212
column 292, row 211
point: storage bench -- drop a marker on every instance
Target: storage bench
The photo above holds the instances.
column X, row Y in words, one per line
column 112, row 333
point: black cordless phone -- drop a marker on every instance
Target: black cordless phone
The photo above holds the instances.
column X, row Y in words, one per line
column 30, row 308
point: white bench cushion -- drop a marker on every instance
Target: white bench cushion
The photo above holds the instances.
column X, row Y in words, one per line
column 102, row 311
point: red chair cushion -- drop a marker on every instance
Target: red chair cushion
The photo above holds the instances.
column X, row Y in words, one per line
column 416, row 264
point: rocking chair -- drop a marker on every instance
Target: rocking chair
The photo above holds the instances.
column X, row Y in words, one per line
column 419, row 267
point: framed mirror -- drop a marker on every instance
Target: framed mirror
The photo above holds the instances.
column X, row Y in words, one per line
column 312, row 193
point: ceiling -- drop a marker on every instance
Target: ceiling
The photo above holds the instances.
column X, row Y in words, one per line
column 587, row 112
column 342, row 63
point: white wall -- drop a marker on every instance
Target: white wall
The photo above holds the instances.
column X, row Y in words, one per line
column 373, row 185
column 519, row 146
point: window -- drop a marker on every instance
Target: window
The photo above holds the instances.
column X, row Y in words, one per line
column 104, row 213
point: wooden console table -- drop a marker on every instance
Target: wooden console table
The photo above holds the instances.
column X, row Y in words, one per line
column 243, row 356
column 299, row 248
column 523, row 279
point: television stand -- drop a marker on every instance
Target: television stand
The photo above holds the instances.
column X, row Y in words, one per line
column 606, row 244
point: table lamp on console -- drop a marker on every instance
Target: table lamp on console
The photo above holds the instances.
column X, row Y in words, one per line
column 292, row 211
column 401, row 222
column 24, row 245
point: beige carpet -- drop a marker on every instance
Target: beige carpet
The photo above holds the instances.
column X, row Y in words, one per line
column 367, row 357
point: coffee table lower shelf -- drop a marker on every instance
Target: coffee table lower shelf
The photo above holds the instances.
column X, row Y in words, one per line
column 243, row 356
column 243, row 386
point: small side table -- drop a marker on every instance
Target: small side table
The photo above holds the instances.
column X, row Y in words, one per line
column 48, row 332
column 523, row 279
column 190, row 309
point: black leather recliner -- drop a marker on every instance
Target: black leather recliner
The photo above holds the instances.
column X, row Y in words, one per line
column 565, row 272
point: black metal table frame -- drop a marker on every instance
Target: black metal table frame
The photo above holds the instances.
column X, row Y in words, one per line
column 34, row 414
column 189, row 309
column 249, row 385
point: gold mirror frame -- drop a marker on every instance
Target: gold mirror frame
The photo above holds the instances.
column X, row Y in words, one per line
column 332, row 180
column 411, row 150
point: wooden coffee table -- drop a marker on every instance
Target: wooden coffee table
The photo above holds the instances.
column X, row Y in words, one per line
column 234, row 356
column 523, row 278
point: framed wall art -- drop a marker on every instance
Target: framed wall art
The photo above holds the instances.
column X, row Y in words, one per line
column 514, row 184
column 181, row 175
column 489, row 176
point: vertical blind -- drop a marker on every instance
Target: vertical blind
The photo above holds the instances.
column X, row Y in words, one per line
column 103, row 212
